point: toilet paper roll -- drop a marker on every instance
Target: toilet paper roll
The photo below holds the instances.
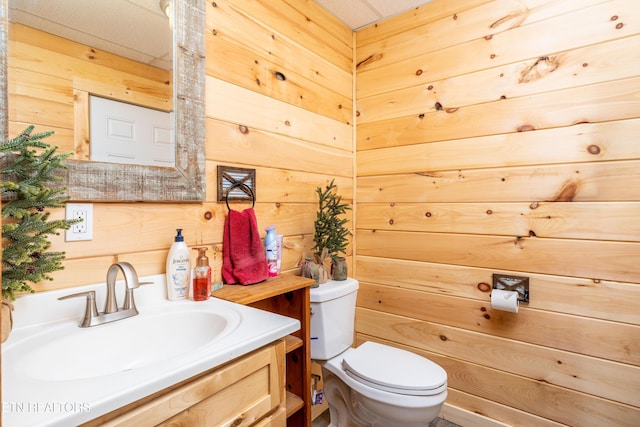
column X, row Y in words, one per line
column 504, row 300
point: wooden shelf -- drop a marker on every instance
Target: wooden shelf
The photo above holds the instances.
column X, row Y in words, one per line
column 289, row 296
column 292, row 343
column 294, row 403
column 263, row 290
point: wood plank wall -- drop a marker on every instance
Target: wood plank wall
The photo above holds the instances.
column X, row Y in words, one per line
column 493, row 136
column 496, row 136
column 279, row 99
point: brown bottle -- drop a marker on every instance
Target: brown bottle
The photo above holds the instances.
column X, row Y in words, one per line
column 201, row 276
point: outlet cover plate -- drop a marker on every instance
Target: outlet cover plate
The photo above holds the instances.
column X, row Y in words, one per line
column 83, row 230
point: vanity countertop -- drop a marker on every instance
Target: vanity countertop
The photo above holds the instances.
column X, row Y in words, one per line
column 57, row 374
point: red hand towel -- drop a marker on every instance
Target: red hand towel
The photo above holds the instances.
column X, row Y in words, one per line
column 244, row 261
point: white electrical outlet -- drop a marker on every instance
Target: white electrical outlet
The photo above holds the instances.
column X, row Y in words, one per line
column 82, row 230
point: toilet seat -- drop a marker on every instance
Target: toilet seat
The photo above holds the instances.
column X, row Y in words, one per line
column 394, row 370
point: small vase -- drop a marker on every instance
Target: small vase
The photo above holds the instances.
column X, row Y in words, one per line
column 309, row 269
column 339, row 269
column 312, row 270
column 7, row 319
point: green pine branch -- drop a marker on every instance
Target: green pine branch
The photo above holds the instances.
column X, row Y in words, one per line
column 330, row 231
column 29, row 170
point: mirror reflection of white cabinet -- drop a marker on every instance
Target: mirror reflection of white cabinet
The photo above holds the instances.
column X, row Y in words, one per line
column 131, row 134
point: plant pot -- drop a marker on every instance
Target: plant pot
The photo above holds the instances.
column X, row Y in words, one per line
column 7, row 319
column 312, row 270
column 339, row 269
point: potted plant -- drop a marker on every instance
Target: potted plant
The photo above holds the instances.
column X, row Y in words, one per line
column 330, row 237
column 29, row 168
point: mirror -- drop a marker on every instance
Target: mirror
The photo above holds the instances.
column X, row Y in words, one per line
column 109, row 182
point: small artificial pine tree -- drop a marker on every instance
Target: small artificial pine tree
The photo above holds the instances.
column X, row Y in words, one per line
column 330, row 232
column 28, row 168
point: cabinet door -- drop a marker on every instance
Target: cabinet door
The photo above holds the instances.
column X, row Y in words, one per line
column 238, row 394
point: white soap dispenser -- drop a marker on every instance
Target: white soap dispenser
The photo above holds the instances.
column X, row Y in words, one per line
column 178, row 268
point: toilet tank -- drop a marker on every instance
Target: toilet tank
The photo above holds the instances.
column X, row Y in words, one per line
column 333, row 309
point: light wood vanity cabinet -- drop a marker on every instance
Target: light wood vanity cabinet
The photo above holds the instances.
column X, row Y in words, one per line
column 249, row 391
column 289, row 296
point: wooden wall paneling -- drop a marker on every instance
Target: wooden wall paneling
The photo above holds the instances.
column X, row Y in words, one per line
column 44, row 95
column 324, row 25
column 235, row 26
column 415, row 18
column 59, row 45
column 585, row 182
column 556, row 403
column 312, row 27
column 586, row 142
column 122, row 224
column 41, row 113
column 243, row 144
column 593, row 337
column 600, row 299
column 598, row 260
column 245, row 107
column 62, row 137
column 577, row 220
column 29, row 57
column 598, row 377
column 508, row 131
column 460, row 27
column 601, row 102
column 468, row 409
column 553, row 71
column 276, row 80
column 289, row 186
column 35, row 84
column 584, row 27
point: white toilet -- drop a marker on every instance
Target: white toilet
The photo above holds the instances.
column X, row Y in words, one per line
column 374, row 384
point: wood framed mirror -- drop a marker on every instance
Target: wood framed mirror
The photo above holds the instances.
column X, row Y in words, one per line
column 113, row 182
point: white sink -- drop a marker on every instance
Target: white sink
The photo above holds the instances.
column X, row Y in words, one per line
column 133, row 343
column 55, row 373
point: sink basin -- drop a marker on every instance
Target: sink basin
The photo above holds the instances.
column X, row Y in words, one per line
column 56, row 374
column 133, row 343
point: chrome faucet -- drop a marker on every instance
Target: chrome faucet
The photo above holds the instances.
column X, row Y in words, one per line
column 131, row 283
column 111, row 311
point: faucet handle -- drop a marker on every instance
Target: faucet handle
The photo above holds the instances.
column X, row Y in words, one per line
column 90, row 310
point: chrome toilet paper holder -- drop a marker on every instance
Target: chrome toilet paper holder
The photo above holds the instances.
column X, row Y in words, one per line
column 520, row 284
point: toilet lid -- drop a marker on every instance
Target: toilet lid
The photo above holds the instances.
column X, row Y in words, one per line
column 394, row 370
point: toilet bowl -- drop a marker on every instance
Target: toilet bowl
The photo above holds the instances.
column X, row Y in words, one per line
column 373, row 384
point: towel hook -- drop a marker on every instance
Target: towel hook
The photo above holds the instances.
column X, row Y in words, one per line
column 245, row 189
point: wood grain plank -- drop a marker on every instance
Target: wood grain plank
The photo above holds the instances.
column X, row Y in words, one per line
column 572, row 220
column 303, row 27
column 553, row 71
column 554, row 403
column 589, row 259
column 462, row 26
column 597, row 377
column 234, row 26
column 585, row 182
column 241, row 67
column 615, row 100
column 590, row 337
column 600, row 299
column 412, row 19
column 586, row 142
column 243, row 144
column 584, row 27
column 244, row 107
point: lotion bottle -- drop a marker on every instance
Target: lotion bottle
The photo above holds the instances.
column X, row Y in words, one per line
column 201, row 276
column 178, row 268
